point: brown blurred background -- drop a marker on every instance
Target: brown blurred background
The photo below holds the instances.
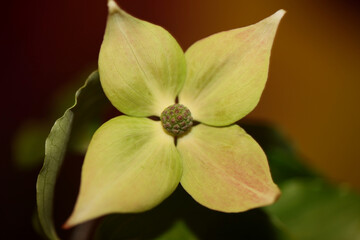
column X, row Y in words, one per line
column 312, row 92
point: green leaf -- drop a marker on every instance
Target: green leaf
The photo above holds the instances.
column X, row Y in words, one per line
column 55, row 149
column 314, row 209
column 88, row 98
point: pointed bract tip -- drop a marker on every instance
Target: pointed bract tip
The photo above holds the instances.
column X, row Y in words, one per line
column 66, row 226
column 112, row 6
column 279, row 14
column 69, row 223
column 274, row 18
column 273, row 195
column 278, row 195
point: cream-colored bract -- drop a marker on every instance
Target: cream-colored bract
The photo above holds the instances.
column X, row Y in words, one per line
column 227, row 72
column 141, row 65
column 129, row 160
column 132, row 165
column 237, row 165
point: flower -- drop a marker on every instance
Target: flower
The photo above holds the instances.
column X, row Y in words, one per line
column 132, row 163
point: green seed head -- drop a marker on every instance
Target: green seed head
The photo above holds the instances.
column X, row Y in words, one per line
column 176, row 119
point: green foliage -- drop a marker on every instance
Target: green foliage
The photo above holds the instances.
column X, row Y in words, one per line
column 28, row 141
column 55, row 148
column 314, row 209
column 89, row 99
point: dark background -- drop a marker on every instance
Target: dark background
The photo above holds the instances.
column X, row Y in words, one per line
column 312, row 92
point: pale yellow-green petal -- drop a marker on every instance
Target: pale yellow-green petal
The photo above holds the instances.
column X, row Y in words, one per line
column 225, row 169
column 142, row 67
column 227, row 72
column 131, row 166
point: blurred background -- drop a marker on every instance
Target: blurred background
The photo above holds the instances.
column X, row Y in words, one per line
column 312, row 93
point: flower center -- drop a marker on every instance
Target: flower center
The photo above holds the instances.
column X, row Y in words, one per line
column 176, row 119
